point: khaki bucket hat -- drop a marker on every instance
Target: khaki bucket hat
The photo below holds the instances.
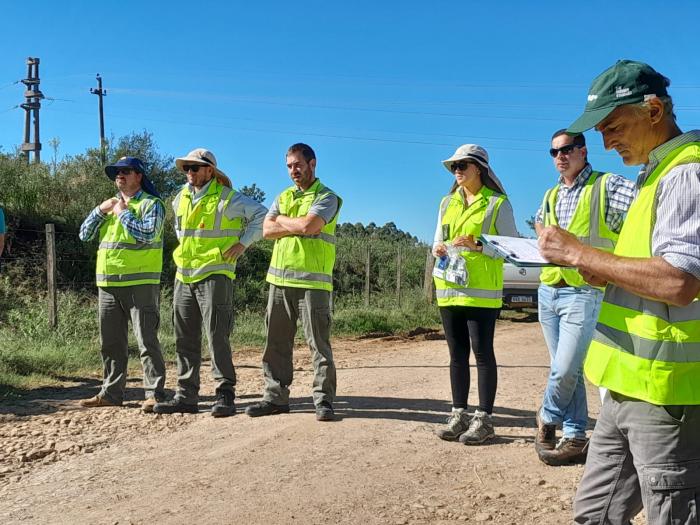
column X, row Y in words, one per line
column 479, row 155
column 206, row 158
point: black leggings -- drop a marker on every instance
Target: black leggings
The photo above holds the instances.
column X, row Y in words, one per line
column 462, row 323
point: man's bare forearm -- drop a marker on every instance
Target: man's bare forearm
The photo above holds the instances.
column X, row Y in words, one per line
column 653, row 277
column 274, row 230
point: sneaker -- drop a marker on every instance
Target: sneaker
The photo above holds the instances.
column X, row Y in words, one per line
column 546, row 438
column 265, row 408
column 569, row 451
column 175, row 405
column 224, row 405
column 98, row 401
column 480, row 429
column 325, row 412
column 457, row 424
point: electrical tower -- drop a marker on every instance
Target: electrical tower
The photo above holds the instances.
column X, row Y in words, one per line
column 31, row 106
column 101, row 93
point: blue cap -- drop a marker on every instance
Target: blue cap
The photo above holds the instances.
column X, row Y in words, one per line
column 136, row 165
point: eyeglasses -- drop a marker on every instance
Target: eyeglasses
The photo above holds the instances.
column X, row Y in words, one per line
column 564, row 150
column 124, row 171
column 460, row 165
column 194, row 168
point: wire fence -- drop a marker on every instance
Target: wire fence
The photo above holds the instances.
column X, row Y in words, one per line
column 365, row 269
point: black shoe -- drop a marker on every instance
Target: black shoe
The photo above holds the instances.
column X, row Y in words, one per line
column 324, row 412
column 265, row 408
column 224, row 405
column 175, row 405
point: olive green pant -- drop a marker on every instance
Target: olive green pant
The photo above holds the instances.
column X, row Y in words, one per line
column 141, row 303
column 207, row 303
column 285, row 306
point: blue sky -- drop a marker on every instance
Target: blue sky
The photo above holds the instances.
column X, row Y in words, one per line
column 383, row 91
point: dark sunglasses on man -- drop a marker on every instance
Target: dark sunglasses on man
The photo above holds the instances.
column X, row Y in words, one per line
column 194, row 168
column 564, row 150
column 125, row 171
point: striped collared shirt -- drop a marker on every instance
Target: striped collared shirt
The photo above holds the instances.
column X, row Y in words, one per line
column 144, row 229
column 676, row 233
column 619, row 191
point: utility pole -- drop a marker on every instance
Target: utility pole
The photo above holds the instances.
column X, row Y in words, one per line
column 101, row 93
column 31, row 105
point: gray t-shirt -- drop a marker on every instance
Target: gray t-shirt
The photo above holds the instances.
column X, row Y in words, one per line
column 325, row 207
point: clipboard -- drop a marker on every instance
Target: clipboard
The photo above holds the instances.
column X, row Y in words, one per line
column 516, row 250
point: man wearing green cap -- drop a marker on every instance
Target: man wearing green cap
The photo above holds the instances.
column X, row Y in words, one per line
column 644, row 452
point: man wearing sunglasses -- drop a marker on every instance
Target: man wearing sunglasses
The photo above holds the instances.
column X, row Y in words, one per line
column 302, row 222
column 645, row 451
column 129, row 261
column 591, row 205
column 214, row 225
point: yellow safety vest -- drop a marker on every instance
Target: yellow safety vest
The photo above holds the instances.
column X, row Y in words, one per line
column 205, row 233
column 587, row 224
column 642, row 348
column 485, row 286
column 304, row 261
column 121, row 259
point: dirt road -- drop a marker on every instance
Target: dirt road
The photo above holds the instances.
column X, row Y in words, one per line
column 379, row 464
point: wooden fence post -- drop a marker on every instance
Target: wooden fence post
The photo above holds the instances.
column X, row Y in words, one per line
column 428, row 283
column 367, row 265
column 51, row 274
column 398, row 276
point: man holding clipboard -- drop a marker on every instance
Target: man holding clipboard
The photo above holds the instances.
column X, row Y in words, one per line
column 591, row 205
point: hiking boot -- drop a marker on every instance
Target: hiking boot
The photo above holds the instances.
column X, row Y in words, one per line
column 569, row 451
column 148, row 404
column 97, row 402
column 480, row 429
column 175, row 405
column 546, row 438
column 457, row 424
column 324, row 412
column 265, row 408
column 224, row 405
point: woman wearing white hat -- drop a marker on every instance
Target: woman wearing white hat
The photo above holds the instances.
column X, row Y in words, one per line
column 469, row 285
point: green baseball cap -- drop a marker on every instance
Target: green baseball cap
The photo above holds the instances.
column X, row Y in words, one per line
column 627, row 82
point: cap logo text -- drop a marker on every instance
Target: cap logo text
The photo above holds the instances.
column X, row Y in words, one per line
column 622, row 92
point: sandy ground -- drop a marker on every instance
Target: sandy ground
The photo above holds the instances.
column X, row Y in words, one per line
column 380, row 463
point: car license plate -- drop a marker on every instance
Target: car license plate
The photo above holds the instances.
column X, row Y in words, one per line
column 521, row 299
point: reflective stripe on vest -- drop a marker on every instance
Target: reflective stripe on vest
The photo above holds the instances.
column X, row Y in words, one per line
column 121, row 259
column 591, row 218
column 468, row 292
column 304, row 261
column 204, row 233
column 104, row 245
column 301, row 276
column 642, row 348
column 485, row 280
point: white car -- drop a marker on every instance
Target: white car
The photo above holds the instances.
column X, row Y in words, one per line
column 520, row 286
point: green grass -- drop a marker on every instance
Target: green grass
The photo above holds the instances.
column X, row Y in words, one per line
column 33, row 355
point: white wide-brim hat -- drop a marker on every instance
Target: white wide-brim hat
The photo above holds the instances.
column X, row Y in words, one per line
column 479, row 155
column 206, row 158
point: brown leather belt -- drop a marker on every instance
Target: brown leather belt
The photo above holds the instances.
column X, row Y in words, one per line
column 560, row 284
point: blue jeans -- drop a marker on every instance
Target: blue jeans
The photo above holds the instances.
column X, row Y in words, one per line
column 568, row 317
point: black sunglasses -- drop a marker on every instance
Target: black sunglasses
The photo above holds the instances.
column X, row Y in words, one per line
column 124, row 171
column 194, row 168
column 564, row 149
column 460, row 165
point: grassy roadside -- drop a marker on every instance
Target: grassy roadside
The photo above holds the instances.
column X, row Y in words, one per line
column 32, row 355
